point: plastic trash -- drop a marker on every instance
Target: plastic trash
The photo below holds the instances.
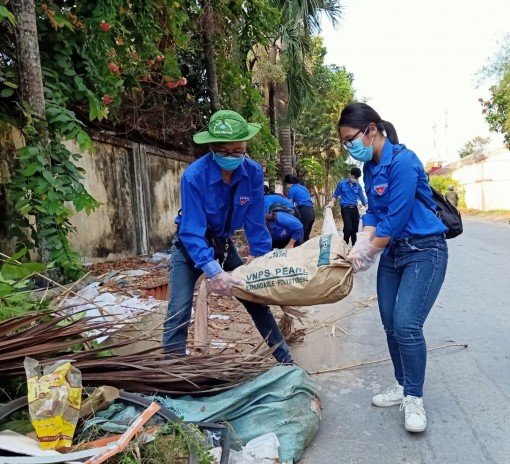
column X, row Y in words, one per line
column 159, row 257
column 260, row 450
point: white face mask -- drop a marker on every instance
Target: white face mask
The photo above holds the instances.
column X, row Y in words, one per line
column 354, row 180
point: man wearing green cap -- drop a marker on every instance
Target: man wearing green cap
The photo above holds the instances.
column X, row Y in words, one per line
column 221, row 192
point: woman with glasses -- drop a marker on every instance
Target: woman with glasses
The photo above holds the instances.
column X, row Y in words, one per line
column 221, row 192
column 301, row 197
column 411, row 241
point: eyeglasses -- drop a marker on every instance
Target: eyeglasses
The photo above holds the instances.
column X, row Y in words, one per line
column 348, row 143
column 235, row 155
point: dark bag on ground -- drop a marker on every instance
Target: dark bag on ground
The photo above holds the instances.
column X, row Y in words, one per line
column 448, row 213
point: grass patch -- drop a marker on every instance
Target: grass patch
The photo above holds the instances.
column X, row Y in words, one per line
column 502, row 215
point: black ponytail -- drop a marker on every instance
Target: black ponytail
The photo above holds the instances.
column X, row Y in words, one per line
column 391, row 133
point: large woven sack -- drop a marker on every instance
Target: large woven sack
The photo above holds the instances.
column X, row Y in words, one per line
column 313, row 273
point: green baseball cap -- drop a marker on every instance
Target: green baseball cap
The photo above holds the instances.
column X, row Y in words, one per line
column 227, row 126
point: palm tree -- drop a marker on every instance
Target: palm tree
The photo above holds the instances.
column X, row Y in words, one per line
column 293, row 45
column 32, row 88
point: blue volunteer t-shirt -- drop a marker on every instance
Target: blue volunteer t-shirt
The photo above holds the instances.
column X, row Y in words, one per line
column 300, row 195
column 391, row 187
column 205, row 202
column 349, row 193
column 284, row 226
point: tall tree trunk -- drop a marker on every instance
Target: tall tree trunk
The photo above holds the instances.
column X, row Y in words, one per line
column 32, row 90
column 210, row 60
column 28, row 56
column 284, row 129
column 271, row 114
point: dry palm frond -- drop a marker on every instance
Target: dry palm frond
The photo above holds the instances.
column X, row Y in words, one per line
column 291, row 334
column 48, row 336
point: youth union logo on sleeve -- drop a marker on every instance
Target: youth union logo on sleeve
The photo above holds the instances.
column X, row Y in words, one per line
column 381, row 188
column 244, row 200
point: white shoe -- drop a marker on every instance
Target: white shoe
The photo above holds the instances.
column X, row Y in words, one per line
column 415, row 415
column 389, row 397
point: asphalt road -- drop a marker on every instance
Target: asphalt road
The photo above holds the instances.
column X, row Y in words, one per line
column 467, row 390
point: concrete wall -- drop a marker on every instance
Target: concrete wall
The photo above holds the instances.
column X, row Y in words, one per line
column 487, row 183
column 138, row 188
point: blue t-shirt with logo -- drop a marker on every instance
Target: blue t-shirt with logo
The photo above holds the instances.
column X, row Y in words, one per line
column 391, row 188
column 205, row 202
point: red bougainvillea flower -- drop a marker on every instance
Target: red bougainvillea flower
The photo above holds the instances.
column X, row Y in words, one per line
column 171, row 85
column 105, row 26
column 107, row 100
column 182, row 81
column 113, row 67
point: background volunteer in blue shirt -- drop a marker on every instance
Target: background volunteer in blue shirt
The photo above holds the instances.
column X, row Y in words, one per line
column 220, row 193
column 286, row 230
column 349, row 192
column 300, row 195
column 277, row 202
column 411, row 241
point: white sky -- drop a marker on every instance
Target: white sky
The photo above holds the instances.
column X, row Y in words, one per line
column 414, row 60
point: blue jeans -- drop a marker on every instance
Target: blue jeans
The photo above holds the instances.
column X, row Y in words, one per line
column 408, row 281
column 183, row 276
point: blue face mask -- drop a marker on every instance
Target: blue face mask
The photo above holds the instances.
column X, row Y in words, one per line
column 359, row 152
column 228, row 163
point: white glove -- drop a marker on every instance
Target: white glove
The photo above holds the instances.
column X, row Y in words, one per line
column 363, row 254
column 222, row 283
column 362, row 238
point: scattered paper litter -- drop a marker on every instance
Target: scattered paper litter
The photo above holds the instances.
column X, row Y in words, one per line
column 218, row 344
column 20, row 444
column 108, row 306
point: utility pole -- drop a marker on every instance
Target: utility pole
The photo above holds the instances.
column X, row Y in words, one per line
column 446, row 134
column 434, row 139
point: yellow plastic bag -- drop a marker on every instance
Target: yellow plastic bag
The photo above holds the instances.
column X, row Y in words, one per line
column 54, row 401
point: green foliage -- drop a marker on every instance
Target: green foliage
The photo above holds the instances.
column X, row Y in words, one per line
column 314, row 171
column 475, row 146
column 441, row 183
column 46, row 181
column 316, row 136
column 16, row 297
column 497, row 108
column 173, row 443
column 6, row 15
column 299, row 20
column 140, row 67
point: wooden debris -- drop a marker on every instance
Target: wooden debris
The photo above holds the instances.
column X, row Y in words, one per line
column 201, row 316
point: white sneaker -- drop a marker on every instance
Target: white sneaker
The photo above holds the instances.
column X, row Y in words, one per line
column 389, row 397
column 415, row 415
